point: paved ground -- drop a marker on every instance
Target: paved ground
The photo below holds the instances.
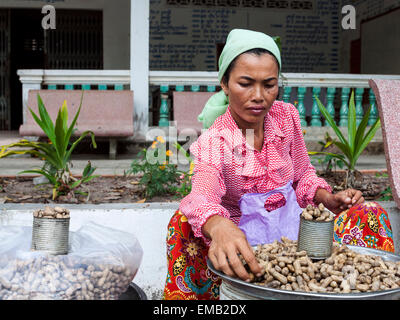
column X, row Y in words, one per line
column 11, row 166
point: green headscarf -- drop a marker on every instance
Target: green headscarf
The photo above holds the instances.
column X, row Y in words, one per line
column 238, row 42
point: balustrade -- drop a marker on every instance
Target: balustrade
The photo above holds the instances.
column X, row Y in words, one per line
column 316, row 120
column 333, row 90
column 303, row 97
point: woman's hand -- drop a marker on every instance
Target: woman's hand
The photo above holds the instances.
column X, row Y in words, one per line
column 227, row 241
column 340, row 201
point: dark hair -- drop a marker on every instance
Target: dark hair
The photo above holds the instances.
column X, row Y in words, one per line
column 256, row 51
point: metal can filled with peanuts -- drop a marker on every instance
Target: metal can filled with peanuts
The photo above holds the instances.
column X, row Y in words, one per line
column 50, row 231
column 316, row 232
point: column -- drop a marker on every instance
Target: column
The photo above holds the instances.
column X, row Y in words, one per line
column 301, row 92
column 286, row 94
column 344, row 109
column 315, row 112
column 140, row 42
column 373, row 116
column 164, row 108
column 359, row 105
column 330, row 107
column 31, row 80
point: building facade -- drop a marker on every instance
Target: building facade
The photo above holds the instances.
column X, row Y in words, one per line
column 188, row 35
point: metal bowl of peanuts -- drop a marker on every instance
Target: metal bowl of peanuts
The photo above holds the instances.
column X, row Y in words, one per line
column 350, row 273
column 316, row 232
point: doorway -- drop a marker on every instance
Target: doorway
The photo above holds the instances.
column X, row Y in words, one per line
column 5, row 120
column 26, row 52
column 355, row 56
column 76, row 43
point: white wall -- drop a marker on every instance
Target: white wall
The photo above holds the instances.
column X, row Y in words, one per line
column 117, row 17
column 116, row 21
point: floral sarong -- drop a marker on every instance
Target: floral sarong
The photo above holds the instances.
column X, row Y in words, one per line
column 188, row 278
column 188, row 275
column 365, row 225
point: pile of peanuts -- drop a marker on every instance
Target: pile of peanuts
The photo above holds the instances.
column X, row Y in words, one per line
column 317, row 214
column 61, row 278
column 345, row 271
column 52, row 213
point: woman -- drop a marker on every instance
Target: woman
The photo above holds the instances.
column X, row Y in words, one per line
column 254, row 145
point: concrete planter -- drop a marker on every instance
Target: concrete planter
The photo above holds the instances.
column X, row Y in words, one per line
column 148, row 222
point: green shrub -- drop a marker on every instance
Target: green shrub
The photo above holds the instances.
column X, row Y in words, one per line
column 56, row 152
column 358, row 138
column 159, row 176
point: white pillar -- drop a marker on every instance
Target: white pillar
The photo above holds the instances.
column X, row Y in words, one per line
column 140, row 38
column 31, row 80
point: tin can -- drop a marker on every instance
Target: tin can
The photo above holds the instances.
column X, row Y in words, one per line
column 50, row 235
column 316, row 238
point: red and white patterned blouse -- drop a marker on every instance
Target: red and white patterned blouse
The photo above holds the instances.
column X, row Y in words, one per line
column 227, row 167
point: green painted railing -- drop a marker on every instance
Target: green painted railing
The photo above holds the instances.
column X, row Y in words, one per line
column 338, row 97
column 102, row 87
column 165, row 98
column 330, row 95
column 299, row 89
column 315, row 119
column 333, row 90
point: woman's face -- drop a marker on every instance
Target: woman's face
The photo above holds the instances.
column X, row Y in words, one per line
column 252, row 89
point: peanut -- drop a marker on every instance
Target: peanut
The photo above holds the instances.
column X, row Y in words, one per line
column 53, row 278
column 345, row 271
column 317, row 214
column 52, row 213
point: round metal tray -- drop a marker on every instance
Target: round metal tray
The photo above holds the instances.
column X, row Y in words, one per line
column 241, row 290
column 134, row 292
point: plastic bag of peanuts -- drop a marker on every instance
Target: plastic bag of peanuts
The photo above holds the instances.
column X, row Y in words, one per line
column 100, row 265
